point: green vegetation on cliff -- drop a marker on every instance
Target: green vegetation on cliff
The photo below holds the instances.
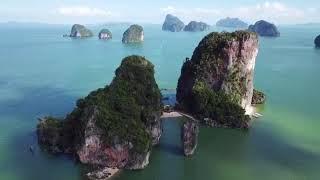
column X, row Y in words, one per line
column 216, row 105
column 124, row 110
column 215, row 82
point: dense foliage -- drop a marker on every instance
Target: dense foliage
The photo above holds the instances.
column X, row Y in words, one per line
column 125, row 109
column 216, row 105
column 200, row 85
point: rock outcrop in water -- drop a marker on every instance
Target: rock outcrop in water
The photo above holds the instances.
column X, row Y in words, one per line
column 231, row 23
column 264, row 28
column 189, row 137
column 216, row 85
column 258, row 97
column 194, row 26
column 115, row 126
column 317, row 41
column 80, row 31
column 105, row 34
column 173, row 24
column 134, row 34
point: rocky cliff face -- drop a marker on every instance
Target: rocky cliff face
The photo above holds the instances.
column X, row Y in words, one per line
column 105, row 34
column 194, row 26
column 79, row 31
column 189, row 137
column 264, row 28
column 134, row 34
column 115, row 126
column 232, row 23
column 317, row 41
column 216, row 85
column 173, row 24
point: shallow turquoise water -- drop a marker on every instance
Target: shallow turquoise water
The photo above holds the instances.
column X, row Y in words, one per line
column 43, row 74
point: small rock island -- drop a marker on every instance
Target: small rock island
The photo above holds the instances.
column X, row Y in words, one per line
column 264, row 28
column 134, row 34
column 232, row 23
column 173, row 24
column 216, row 85
column 80, row 31
column 115, row 126
column 105, row 34
column 195, row 26
column 189, row 137
column 317, row 41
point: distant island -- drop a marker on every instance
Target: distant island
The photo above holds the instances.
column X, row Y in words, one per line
column 134, row 34
column 80, row 31
column 317, row 41
column 264, row 28
column 173, row 24
column 195, row 26
column 105, row 34
column 232, row 23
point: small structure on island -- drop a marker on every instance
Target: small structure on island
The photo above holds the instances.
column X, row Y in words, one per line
column 105, row 34
column 134, row 34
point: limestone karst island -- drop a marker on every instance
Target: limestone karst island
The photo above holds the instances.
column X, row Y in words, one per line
column 159, row 90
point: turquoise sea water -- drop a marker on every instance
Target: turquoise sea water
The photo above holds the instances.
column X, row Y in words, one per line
column 42, row 73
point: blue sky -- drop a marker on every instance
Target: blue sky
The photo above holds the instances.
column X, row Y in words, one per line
column 98, row 11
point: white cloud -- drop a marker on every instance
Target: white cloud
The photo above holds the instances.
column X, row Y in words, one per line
column 83, row 11
column 169, row 10
column 272, row 11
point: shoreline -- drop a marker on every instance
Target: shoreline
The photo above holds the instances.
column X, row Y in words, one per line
column 103, row 174
column 252, row 111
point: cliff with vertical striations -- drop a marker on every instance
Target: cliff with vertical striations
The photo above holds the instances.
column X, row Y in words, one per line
column 216, row 85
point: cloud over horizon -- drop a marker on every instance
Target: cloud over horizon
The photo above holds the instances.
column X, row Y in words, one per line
column 82, row 11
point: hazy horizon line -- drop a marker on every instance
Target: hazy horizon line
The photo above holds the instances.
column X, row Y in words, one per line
column 125, row 22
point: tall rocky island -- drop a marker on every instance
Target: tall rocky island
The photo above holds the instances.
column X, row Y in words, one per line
column 264, row 28
column 195, row 26
column 317, row 41
column 115, row 126
column 173, row 24
column 216, row 85
column 80, row 31
column 134, row 34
